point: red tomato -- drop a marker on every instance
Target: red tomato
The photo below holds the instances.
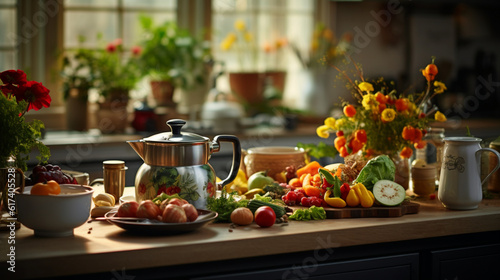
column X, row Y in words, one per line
column 148, row 209
column 265, row 216
column 191, row 212
column 128, row 209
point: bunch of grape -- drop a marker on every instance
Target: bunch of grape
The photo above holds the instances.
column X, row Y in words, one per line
column 44, row 173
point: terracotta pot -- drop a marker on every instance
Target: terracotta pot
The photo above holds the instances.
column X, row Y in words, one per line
column 77, row 109
column 163, row 93
column 249, row 86
column 278, row 78
column 113, row 116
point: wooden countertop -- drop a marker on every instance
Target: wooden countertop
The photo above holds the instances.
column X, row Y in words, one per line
column 102, row 247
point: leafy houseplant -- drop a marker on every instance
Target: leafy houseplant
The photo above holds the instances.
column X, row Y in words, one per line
column 114, row 70
column 170, row 53
column 18, row 136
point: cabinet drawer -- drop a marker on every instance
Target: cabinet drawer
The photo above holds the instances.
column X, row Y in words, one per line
column 478, row 262
column 399, row 267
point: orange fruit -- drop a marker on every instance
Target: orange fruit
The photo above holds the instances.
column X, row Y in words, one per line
column 51, row 187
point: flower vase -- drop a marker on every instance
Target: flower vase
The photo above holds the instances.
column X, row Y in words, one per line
column 248, row 86
column 316, row 92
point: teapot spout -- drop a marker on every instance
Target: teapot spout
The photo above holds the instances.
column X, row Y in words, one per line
column 138, row 146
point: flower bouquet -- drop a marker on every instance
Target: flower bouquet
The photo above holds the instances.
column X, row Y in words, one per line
column 383, row 121
column 18, row 136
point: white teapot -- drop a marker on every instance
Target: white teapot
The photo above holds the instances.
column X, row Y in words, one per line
column 460, row 181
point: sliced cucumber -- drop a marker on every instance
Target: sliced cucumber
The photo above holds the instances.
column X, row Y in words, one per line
column 388, row 193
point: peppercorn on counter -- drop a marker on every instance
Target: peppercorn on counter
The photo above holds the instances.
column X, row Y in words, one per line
column 102, row 250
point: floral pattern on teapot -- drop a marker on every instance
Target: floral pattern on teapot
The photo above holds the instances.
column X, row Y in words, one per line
column 193, row 183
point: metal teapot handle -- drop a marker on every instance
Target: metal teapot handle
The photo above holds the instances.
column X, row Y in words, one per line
column 236, row 156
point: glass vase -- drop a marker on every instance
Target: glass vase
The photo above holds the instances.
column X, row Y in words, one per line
column 403, row 165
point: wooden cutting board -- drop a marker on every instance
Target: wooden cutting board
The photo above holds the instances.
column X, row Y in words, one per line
column 375, row 211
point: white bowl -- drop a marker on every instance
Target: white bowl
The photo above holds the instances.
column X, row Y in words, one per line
column 55, row 215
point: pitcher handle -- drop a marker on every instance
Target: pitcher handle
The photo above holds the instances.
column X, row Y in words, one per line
column 236, row 157
column 478, row 154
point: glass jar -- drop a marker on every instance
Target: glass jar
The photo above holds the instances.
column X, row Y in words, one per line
column 494, row 182
column 434, row 148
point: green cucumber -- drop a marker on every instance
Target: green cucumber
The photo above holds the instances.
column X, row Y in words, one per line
column 388, row 193
column 254, row 204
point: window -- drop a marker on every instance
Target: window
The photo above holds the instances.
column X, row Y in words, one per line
column 8, row 40
column 112, row 18
column 268, row 21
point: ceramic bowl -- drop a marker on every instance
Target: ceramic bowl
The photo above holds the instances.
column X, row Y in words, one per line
column 273, row 159
column 55, row 215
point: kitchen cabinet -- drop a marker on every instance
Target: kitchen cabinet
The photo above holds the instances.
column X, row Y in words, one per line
column 402, row 267
column 478, row 262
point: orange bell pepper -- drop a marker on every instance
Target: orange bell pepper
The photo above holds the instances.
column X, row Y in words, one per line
column 311, row 168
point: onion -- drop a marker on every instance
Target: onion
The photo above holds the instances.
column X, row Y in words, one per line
column 242, row 216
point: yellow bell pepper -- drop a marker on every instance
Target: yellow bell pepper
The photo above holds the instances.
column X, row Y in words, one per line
column 365, row 198
column 336, row 202
column 352, row 198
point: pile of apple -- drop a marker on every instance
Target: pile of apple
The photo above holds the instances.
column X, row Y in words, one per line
column 173, row 210
column 45, row 173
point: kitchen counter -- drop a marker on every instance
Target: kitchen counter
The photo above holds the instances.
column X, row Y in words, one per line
column 100, row 247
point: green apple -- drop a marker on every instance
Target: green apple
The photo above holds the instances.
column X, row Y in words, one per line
column 259, row 180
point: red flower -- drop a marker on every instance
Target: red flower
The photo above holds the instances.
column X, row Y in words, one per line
column 210, row 189
column 162, row 189
column 136, row 50
column 142, row 188
column 111, row 48
column 13, row 77
column 35, row 94
column 173, row 190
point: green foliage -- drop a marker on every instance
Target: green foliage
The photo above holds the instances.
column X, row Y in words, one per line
column 224, row 206
column 173, row 54
column 18, row 136
column 320, row 150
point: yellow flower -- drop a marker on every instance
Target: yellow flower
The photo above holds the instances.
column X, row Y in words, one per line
column 248, row 36
column 340, row 123
column 440, row 87
column 369, row 101
column 323, row 131
column 228, row 42
column 388, row 115
column 239, row 25
column 440, row 117
column 364, row 86
column 330, row 122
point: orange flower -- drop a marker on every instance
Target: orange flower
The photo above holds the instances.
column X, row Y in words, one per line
column 360, row 135
column 339, row 142
column 407, row 152
column 420, row 144
column 356, row 145
column 430, row 72
column 349, row 111
column 418, row 135
column 401, row 104
column 408, row 133
column 343, row 151
column 381, row 98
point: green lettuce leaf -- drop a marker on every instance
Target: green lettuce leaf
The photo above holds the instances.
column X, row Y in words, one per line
column 376, row 169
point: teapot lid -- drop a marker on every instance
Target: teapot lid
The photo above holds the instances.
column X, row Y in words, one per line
column 175, row 136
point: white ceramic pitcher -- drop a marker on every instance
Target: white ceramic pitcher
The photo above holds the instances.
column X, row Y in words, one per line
column 460, row 181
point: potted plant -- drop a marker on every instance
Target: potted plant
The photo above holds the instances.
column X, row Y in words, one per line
column 172, row 58
column 116, row 74
column 79, row 75
column 248, row 81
